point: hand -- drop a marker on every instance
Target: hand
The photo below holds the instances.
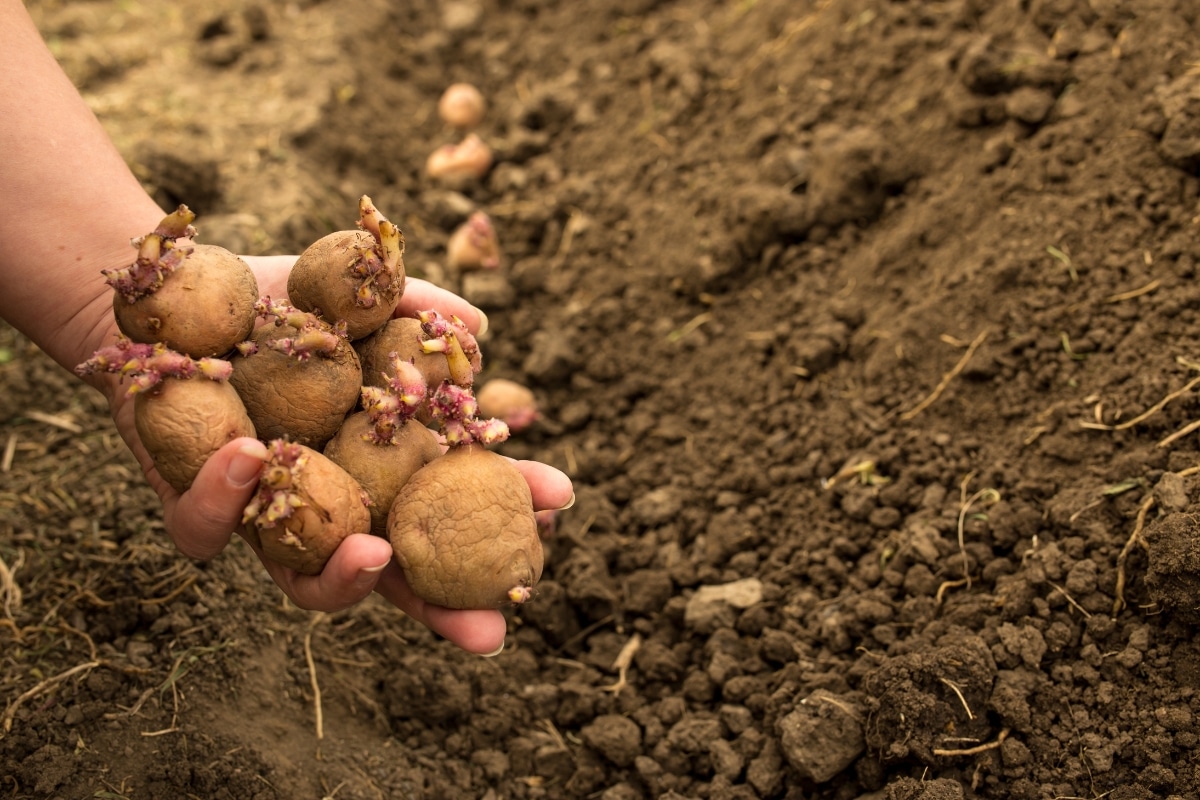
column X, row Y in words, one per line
column 201, row 520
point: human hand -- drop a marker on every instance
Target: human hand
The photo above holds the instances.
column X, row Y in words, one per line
column 201, row 520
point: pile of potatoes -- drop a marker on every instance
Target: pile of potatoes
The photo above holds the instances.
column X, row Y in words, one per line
column 343, row 392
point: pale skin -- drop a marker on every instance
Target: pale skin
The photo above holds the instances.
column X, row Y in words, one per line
column 69, row 206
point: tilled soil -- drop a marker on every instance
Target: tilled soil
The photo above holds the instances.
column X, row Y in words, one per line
column 867, row 331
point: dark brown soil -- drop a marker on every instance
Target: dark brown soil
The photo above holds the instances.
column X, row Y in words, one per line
column 867, row 330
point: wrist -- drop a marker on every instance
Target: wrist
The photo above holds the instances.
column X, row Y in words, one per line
column 81, row 320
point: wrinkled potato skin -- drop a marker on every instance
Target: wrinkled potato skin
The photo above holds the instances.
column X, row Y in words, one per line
column 463, row 530
column 304, row 401
column 335, row 509
column 203, row 308
column 381, row 469
column 402, row 336
column 183, row 422
column 320, row 282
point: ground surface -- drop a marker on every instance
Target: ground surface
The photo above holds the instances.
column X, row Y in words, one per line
column 867, row 330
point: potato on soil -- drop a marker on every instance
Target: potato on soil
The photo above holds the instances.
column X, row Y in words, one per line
column 464, row 532
column 304, row 508
column 197, row 299
column 462, row 106
column 291, row 391
column 459, row 165
column 381, row 469
column 473, row 245
column 352, row 276
column 509, row 401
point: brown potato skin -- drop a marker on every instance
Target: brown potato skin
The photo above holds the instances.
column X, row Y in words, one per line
column 463, row 530
column 203, row 308
column 304, row 401
column 402, row 336
column 381, row 469
column 334, row 509
column 320, row 282
column 184, row 421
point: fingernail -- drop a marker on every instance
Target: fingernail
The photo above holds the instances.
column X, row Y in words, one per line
column 570, row 503
column 494, row 653
column 368, row 574
column 483, row 323
column 245, row 467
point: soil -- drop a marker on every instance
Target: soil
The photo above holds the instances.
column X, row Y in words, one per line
column 867, row 331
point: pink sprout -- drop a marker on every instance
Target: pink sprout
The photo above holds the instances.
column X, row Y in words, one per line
column 451, row 338
column 146, row 365
column 456, row 413
column 390, row 406
column 276, row 498
column 376, row 267
column 158, row 256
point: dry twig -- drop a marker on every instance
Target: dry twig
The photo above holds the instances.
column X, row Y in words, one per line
column 54, row 420
column 974, row 751
column 945, row 381
column 954, row 688
column 1179, row 434
column 622, row 662
column 991, row 496
column 312, row 675
column 10, row 713
column 1145, row 415
column 8, row 586
column 1135, row 538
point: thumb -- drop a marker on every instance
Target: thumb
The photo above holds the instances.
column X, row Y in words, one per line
column 201, row 520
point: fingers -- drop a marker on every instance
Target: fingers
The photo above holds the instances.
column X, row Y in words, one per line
column 479, row 631
column 422, row 295
column 551, row 488
column 349, row 576
column 362, row 564
column 201, row 520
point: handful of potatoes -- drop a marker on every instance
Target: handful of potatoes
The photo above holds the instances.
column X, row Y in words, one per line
column 209, row 360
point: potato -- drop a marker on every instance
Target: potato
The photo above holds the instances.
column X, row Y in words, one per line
column 401, row 336
column 203, row 308
column 304, row 508
column 292, row 391
column 462, row 164
column 184, row 421
column 353, row 276
column 462, row 106
column 183, row 408
column 509, row 401
column 381, row 469
column 463, row 531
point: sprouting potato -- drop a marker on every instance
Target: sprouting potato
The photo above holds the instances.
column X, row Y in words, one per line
column 354, row 277
column 197, row 299
column 298, row 378
column 305, row 506
column 463, row 526
column 383, row 445
column 184, row 409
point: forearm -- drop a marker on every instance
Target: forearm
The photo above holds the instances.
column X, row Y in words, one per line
column 69, row 204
